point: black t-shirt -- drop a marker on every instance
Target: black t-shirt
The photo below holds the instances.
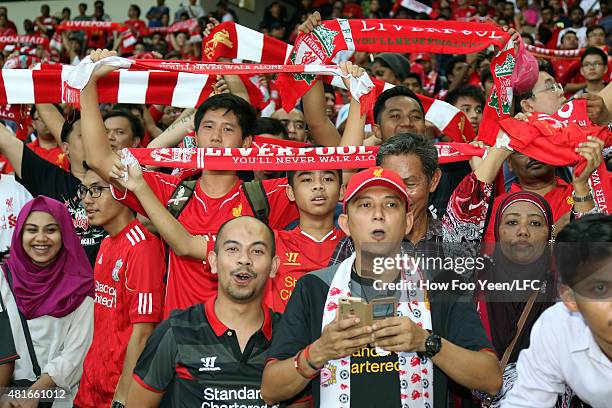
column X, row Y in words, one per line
column 452, row 175
column 196, row 360
column 8, row 352
column 453, row 318
column 41, row 177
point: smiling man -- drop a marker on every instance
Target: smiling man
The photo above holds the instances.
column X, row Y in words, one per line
column 214, row 353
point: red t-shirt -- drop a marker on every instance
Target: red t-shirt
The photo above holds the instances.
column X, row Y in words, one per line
column 129, row 273
column 55, row 155
column 560, row 200
column 190, row 281
column 299, row 254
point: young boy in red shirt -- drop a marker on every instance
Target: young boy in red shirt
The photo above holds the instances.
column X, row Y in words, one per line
column 301, row 250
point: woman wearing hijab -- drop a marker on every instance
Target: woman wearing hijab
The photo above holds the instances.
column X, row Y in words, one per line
column 523, row 230
column 47, row 288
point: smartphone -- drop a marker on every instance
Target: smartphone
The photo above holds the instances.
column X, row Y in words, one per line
column 356, row 307
column 367, row 313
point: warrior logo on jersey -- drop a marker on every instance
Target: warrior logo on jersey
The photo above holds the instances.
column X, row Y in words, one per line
column 116, row 270
column 292, row 258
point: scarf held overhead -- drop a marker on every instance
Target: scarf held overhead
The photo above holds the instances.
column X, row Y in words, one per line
column 373, row 35
column 278, row 155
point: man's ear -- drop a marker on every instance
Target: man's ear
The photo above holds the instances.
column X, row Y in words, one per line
column 247, row 141
column 343, row 223
column 341, row 192
column 212, row 261
column 568, row 297
column 65, row 149
column 135, row 141
column 274, row 267
column 435, row 180
column 409, row 222
column 527, row 106
column 290, row 193
column 377, row 131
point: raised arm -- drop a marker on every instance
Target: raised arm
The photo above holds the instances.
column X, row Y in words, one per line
column 177, row 237
column 98, row 152
column 173, row 135
column 12, row 148
column 53, row 119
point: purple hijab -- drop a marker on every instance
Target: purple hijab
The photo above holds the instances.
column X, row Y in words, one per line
column 60, row 287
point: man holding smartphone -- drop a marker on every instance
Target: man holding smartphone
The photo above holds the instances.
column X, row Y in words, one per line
column 410, row 360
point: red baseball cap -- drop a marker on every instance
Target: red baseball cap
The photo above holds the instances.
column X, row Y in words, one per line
column 375, row 176
column 418, row 56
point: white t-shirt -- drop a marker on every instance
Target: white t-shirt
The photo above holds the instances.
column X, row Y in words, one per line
column 13, row 196
column 562, row 351
column 60, row 344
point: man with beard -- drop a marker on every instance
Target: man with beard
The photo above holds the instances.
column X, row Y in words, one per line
column 214, row 353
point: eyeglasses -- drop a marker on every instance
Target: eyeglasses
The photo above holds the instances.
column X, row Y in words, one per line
column 593, row 64
column 94, row 191
column 552, row 87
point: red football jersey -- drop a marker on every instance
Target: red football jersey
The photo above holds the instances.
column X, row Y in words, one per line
column 191, row 281
column 55, row 155
column 129, row 275
column 299, row 254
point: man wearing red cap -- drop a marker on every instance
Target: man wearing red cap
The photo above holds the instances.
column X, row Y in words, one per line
column 410, row 359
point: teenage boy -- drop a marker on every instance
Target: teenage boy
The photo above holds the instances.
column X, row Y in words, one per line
column 571, row 342
column 301, row 250
column 223, row 120
column 129, row 275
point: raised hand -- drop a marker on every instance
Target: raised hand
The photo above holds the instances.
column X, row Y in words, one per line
column 104, row 70
column 348, row 68
column 311, row 22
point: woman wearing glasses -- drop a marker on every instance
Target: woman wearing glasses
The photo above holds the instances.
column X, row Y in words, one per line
column 47, row 288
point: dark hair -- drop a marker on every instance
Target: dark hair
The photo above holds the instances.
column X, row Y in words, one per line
column 410, row 143
column 135, row 7
column 486, row 76
column 588, row 239
column 468, row 91
column 575, row 7
column 270, row 126
column 230, row 103
column 594, row 51
column 595, row 27
column 547, row 8
column 68, row 126
column 544, row 34
column 98, row 3
column 291, row 175
column 84, row 5
column 128, row 107
column 327, row 88
column 416, row 76
column 449, row 65
column 567, row 33
column 135, row 123
column 399, row 90
column 222, row 227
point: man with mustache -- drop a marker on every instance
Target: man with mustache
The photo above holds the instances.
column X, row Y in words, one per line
column 414, row 356
column 213, row 353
